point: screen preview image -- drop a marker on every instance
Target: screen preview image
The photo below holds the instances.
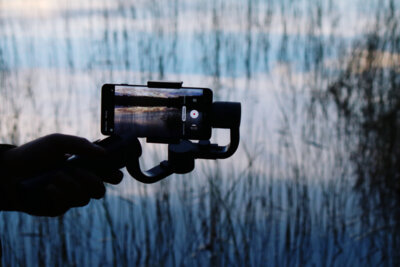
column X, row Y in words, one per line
column 157, row 112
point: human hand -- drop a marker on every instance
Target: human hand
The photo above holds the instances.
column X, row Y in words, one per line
column 39, row 182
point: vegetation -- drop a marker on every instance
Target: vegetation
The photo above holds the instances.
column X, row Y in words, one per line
column 316, row 178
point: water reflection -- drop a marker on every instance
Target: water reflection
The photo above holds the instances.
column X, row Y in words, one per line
column 316, row 179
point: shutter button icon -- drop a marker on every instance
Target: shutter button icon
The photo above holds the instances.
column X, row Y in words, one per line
column 194, row 114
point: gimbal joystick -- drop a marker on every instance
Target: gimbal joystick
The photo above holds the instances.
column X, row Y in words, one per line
column 125, row 150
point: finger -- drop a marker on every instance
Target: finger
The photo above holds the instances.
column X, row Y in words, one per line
column 57, row 202
column 76, row 192
column 68, row 144
column 92, row 184
column 113, row 177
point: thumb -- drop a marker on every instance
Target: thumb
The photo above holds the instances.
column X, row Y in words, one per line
column 68, row 144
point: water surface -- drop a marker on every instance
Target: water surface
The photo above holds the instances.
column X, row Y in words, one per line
column 316, row 178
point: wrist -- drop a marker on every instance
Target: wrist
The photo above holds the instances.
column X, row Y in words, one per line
column 3, row 151
column 5, row 159
column 7, row 186
column 9, row 196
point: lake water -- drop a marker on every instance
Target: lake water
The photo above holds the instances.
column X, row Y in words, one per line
column 316, row 179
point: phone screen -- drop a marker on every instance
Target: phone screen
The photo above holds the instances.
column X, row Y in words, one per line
column 158, row 112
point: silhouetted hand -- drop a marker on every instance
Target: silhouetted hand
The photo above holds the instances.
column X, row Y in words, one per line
column 39, row 182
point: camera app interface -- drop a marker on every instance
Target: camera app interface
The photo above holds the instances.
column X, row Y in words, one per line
column 158, row 113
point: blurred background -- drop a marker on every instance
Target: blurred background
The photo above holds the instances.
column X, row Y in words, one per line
column 316, row 180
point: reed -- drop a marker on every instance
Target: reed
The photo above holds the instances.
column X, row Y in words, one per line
column 316, row 178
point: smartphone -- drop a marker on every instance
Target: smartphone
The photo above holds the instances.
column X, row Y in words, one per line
column 157, row 113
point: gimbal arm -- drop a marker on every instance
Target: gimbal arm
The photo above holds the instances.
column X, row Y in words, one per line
column 125, row 151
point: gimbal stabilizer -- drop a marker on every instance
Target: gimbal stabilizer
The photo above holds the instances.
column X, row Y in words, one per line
column 125, row 151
